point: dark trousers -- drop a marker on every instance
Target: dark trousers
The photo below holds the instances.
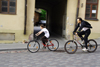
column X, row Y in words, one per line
column 85, row 38
column 44, row 39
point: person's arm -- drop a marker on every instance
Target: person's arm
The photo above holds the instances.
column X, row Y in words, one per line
column 38, row 33
column 75, row 29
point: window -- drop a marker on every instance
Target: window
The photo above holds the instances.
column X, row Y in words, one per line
column 91, row 9
column 8, row 6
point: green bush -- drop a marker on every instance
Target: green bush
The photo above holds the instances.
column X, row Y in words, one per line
column 43, row 15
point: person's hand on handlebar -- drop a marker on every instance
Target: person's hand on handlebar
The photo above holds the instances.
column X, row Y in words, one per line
column 74, row 33
column 36, row 34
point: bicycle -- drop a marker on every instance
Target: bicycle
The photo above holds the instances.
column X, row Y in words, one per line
column 34, row 46
column 71, row 45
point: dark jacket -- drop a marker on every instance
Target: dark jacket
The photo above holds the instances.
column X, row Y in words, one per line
column 83, row 24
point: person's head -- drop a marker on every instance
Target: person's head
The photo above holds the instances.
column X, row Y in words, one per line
column 79, row 20
column 42, row 26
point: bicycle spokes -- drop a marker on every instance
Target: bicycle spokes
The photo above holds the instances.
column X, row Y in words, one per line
column 70, row 47
column 53, row 45
column 92, row 45
column 33, row 46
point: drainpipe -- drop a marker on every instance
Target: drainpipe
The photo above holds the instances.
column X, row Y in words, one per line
column 25, row 17
column 77, row 13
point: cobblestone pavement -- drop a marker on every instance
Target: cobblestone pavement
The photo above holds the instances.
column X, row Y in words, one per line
column 45, row 58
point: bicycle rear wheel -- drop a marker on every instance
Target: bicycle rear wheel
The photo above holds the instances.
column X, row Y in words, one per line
column 33, row 46
column 92, row 45
column 53, row 45
column 70, row 47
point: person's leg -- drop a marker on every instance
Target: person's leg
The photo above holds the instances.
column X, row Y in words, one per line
column 86, row 37
column 80, row 35
column 44, row 39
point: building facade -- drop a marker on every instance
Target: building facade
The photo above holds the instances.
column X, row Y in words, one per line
column 12, row 20
column 90, row 11
column 16, row 17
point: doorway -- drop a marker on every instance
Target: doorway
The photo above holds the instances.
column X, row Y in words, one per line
column 56, row 15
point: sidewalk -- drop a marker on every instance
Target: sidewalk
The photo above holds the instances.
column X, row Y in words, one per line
column 21, row 46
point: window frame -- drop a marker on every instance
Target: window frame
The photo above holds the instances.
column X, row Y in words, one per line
column 8, row 6
column 91, row 4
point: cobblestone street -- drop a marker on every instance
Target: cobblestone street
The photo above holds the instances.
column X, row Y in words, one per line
column 23, row 58
column 43, row 26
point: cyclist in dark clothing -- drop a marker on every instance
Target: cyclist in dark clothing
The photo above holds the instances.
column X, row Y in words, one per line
column 84, row 29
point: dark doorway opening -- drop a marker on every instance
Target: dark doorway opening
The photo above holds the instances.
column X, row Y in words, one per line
column 56, row 15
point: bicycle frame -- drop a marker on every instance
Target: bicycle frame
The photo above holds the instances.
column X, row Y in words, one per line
column 47, row 42
column 34, row 46
column 48, row 45
column 75, row 39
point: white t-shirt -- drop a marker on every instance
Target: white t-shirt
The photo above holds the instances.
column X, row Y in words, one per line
column 84, row 28
column 46, row 32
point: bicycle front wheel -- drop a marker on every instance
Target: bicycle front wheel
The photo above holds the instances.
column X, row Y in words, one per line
column 92, row 45
column 70, row 47
column 53, row 45
column 33, row 46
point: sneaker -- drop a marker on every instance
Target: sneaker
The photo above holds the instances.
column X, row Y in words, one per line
column 84, row 49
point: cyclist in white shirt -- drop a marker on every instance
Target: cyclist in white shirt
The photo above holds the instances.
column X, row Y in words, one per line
column 46, row 32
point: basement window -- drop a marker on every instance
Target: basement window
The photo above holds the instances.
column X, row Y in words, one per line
column 7, row 36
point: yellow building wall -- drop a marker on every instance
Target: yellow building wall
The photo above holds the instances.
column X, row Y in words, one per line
column 15, row 23
column 71, row 18
column 95, row 31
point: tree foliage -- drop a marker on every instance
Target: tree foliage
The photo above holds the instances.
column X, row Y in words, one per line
column 43, row 15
